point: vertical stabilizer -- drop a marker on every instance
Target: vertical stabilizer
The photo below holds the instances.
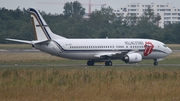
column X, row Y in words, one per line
column 41, row 29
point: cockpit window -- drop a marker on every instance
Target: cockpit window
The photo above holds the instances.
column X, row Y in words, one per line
column 164, row 45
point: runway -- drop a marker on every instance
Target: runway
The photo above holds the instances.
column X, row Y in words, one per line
column 70, row 65
column 19, row 50
column 84, row 65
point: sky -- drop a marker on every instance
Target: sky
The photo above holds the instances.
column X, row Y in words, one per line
column 56, row 6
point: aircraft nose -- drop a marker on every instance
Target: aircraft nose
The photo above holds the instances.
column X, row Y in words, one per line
column 169, row 51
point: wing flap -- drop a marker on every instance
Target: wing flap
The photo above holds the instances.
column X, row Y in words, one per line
column 104, row 55
column 113, row 54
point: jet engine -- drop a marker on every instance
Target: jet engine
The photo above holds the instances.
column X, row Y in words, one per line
column 132, row 58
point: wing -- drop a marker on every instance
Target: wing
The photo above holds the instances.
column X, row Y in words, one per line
column 118, row 54
column 111, row 55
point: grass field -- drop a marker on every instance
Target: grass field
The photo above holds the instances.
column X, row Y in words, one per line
column 127, row 83
column 19, row 82
column 15, row 46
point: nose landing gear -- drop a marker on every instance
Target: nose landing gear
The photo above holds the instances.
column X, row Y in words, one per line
column 155, row 62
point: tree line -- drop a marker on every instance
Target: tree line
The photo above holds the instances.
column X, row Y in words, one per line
column 100, row 24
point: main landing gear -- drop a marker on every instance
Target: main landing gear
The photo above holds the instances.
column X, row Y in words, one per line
column 107, row 63
column 90, row 63
column 155, row 62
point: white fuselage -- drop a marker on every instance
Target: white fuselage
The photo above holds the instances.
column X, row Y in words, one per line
column 89, row 49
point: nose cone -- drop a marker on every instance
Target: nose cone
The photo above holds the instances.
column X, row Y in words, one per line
column 169, row 51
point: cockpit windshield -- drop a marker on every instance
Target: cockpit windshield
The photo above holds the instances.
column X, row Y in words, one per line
column 164, row 45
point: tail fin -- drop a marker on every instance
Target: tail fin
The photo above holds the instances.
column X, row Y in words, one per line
column 42, row 31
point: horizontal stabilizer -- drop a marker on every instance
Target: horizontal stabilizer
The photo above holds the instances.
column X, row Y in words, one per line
column 40, row 42
column 16, row 40
column 28, row 42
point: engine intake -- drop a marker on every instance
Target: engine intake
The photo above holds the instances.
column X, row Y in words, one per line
column 132, row 58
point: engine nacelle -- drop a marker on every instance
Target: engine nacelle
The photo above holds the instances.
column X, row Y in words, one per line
column 132, row 58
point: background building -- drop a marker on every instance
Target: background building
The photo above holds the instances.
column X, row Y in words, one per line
column 168, row 13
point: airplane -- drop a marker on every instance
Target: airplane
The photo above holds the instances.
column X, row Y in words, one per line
column 94, row 50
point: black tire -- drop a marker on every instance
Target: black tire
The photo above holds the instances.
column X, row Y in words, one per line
column 108, row 63
column 90, row 63
column 155, row 63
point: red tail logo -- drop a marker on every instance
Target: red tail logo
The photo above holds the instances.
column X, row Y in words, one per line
column 148, row 48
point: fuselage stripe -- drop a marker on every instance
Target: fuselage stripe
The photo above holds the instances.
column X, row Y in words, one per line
column 128, row 50
column 59, row 46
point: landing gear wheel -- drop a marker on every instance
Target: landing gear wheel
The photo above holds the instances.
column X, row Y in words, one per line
column 108, row 63
column 90, row 63
column 155, row 63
